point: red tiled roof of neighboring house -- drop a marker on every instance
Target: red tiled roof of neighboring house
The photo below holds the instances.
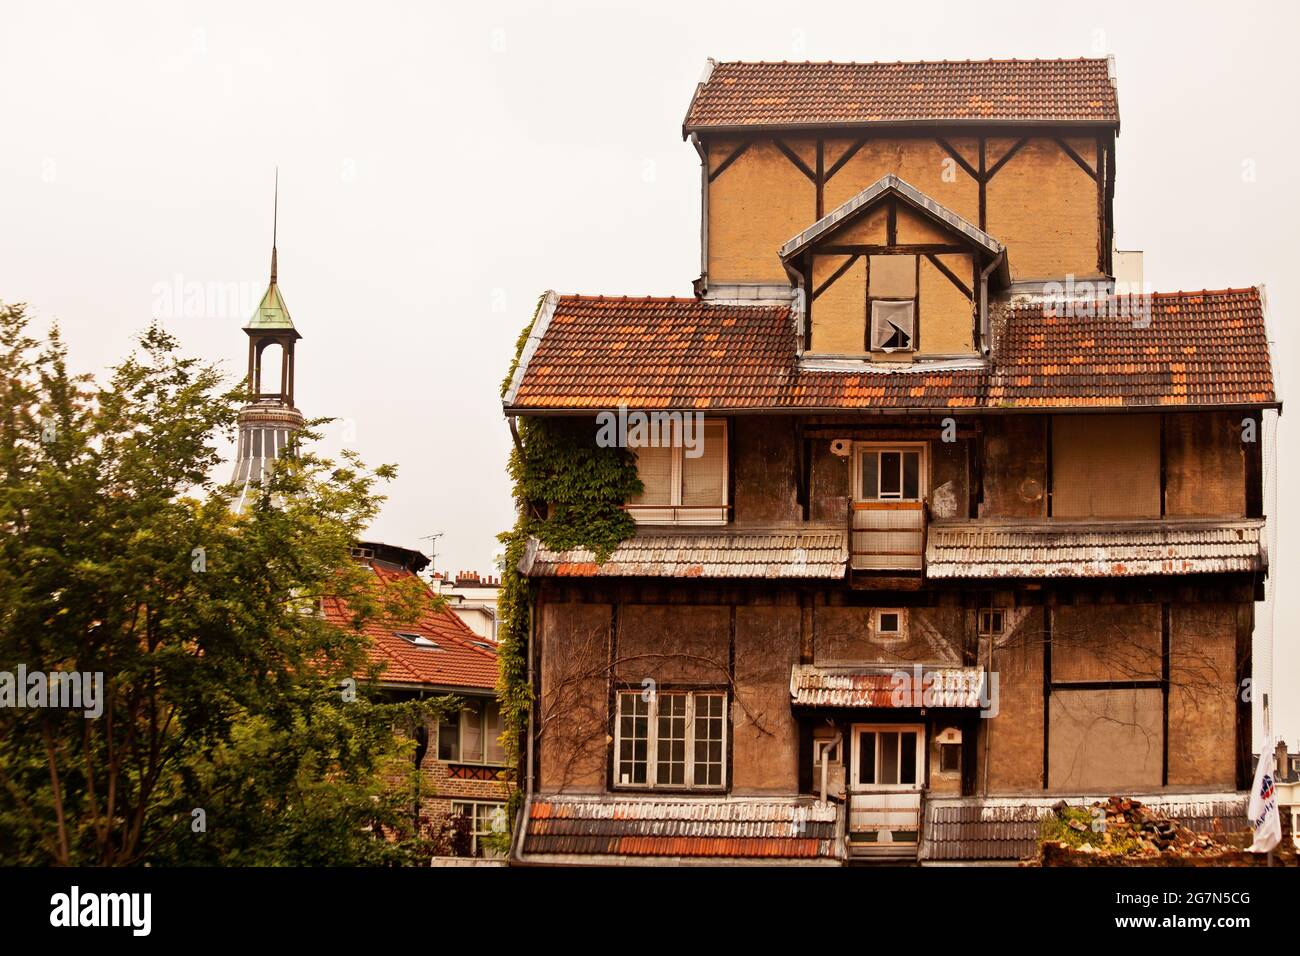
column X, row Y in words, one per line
column 1194, row 348
column 458, row 661
column 571, row 829
column 740, row 96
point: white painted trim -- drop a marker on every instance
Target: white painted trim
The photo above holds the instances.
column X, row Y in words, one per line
column 540, row 325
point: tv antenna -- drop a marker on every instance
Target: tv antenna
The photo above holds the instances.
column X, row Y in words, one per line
column 433, row 549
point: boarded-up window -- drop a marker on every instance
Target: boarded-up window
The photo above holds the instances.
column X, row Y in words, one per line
column 1106, row 466
column 1106, row 642
column 1105, row 741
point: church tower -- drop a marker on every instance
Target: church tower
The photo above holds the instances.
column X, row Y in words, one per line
column 268, row 421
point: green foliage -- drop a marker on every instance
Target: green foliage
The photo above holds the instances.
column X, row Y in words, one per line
column 1056, row 828
column 569, row 493
column 120, row 555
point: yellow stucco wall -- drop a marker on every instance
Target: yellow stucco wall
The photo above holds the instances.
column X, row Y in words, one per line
column 758, row 203
column 1040, row 204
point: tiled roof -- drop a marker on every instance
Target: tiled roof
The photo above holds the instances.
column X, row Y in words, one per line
column 819, row 553
column 1181, row 348
column 601, row 352
column 1066, row 549
column 700, row 829
column 812, row 686
column 1006, row 828
column 458, row 661
column 782, row 95
column 1198, row 348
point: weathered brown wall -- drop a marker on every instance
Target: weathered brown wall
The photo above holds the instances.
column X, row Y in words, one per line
column 847, row 635
column 1106, row 642
column 949, row 492
column 831, row 484
column 1015, row 467
column 1106, row 740
column 1205, row 465
column 672, row 645
column 765, row 741
column 763, row 456
column 1011, row 742
column 574, row 702
column 1106, row 466
column 1202, row 695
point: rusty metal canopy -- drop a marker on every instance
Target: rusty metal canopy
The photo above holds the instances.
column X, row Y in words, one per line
column 774, row 553
column 888, row 687
column 1074, row 549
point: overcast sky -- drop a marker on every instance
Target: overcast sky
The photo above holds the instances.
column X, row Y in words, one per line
column 440, row 171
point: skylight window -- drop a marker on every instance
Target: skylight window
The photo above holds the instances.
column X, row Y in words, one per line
column 419, row 640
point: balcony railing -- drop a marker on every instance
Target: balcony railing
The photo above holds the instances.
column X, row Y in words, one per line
column 888, row 535
column 679, row 514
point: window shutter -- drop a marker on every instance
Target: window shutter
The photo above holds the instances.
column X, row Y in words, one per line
column 704, row 478
column 654, row 466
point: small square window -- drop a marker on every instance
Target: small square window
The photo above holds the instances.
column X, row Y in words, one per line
column 993, row 621
column 889, row 623
column 950, row 758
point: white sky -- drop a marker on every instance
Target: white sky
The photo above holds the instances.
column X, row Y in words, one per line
column 441, row 167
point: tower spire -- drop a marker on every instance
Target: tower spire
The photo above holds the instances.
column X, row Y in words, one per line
column 275, row 222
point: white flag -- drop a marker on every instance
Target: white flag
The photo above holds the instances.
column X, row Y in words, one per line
column 1262, row 810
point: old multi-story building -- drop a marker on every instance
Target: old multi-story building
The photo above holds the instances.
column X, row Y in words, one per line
column 962, row 530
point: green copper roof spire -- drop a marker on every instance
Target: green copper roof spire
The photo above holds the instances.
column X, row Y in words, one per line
column 272, row 313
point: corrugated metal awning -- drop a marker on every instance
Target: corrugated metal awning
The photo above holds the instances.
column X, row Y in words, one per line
column 603, row 829
column 978, row 549
column 891, row 687
column 777, row 553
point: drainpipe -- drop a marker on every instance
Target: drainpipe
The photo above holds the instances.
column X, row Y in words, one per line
column 984, row 300
column 826, row 761
column 704, row 207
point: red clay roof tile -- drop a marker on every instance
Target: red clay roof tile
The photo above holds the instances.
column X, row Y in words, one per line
column 782, row 95
column 458, row 661
column 1199, row 348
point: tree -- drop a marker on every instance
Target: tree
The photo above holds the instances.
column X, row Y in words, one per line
column 227, row 733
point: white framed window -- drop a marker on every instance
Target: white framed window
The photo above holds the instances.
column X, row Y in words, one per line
column 471, row 735
column 889, row 756
column 890, row 472
column 684, row 485
column 671, row 740
column 484, row 818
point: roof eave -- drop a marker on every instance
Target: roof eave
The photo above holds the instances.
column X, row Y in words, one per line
column 963, row 122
